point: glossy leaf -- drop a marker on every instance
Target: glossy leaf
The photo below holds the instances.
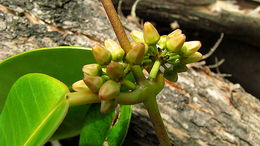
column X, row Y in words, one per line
column 34, row 109
column 99, row 124
column 117, row 133
column 63, row 63
column 103, row 128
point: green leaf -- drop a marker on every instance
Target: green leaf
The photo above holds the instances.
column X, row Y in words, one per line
column 34, row 109
column 63, row 63
column 98, row 124
column 102, row 128
column 117, row 133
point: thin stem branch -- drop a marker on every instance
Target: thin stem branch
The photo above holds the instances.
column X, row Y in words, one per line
column 138, row 73
column 116, row 24
column 213, row 49
column 128, row 84
column 155, row 69
column 154, row 113
column 83, row 97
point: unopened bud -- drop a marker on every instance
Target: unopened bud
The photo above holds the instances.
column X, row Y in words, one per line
column 174, row 44
column 136, row 54
column 137, row 36
column 116, row 51
column 107, row 106
column 171, row 76
column 151, row 35
column 102, row 55
column 92, row 69
column 175, row 33
column 115, row 70
column 189, row 48
column 162, row 41
column 80, row 86
column 93, row 82
column 146, row 47
column 109, row 90
column 197, row 56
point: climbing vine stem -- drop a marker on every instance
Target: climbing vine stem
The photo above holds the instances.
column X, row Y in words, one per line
column 116, row 24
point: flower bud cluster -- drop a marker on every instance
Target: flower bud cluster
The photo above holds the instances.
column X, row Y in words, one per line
column 149, row 51
column 172, row 50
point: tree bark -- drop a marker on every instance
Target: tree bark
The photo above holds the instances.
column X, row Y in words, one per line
column 239, row 18
column 200, row 109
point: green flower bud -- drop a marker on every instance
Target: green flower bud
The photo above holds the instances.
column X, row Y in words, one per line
column 151, row 35
column 197, row 56
column 175, row 33
column 171, row 76
column 92, row 69
column 109, row 90
column 116, row 51
column 137, row 36
column 80, row 86
column 136, row 54
column 93, row 82
column 102, row 55
column 115, row 70
column 174, row 44
column 189, row 48
column 162, row 41
column 146, row 47
column 107, row 106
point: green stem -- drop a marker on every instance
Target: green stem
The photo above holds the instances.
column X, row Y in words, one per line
column 138, row 73
column 128, row 84
column 155, row 69
column 83, row 97
column 164, row 52
column 116, row 24
column 154, row 113
column 127, row 69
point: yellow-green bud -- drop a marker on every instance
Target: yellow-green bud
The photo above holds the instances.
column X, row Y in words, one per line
column 93, row 82
column 171, row 76
column 80, row 86
column 174, row 44
column 137, row 36
column 102, row 55
column 175, row 33
column 197, row 56
column 107, row 106
column 116, row 51
column 109, row 90
column 162, row 41
column 115, row 70
column 92, row 69
column 189, row 48
column 136, row 54
column 151, row 35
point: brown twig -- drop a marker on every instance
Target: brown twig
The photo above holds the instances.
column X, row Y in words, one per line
column 116, row 24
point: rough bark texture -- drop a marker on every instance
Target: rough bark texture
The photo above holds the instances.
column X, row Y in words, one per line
column 240, row 18
column 200, row 109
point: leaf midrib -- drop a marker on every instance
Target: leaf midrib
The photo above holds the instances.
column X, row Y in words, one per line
column 43, row 121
